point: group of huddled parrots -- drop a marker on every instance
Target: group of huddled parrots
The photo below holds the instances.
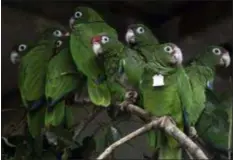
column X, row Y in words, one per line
column 62, row 64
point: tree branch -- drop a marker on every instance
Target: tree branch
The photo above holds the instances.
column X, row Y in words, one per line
column 130, row 136
column 168, row 126
column 164, row 123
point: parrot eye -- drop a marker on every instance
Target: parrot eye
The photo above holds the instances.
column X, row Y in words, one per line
column 78, row 14
column 168, row 49
column 104, row 39
column 57, row 33
column 22, row 47
column 58, row 43
column 216, row 51
column 140, row 30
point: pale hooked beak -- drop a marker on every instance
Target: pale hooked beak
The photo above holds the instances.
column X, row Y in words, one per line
column 67, row 34
column 225, row 59
column 130, row 36
column 177, row 56
column 97, row 48
column 71, row 22
column 14, row 57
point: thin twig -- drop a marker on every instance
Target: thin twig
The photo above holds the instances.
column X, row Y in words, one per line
column 130, row 136
column 11, row 109
column 18, row 126
column 83, row 124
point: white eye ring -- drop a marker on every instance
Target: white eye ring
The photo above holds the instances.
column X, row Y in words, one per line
column 104, row 39
column 57, row 33
column 140, row 30
column 216, row 51
column 22, row 47
column 168, row 49
column 78, row 14
column 58, row 43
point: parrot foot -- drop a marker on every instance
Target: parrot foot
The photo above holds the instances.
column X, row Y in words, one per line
column 193, row 132
column 166, row 120
column 131, row 96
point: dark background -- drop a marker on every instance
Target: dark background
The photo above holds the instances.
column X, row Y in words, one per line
column 192, row 25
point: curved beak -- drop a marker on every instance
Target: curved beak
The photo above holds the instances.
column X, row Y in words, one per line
column 14, row 57
column 67, row 34
column 71, row 23
column 130, row 36
column 225, row 59
column 177, row 55
column 97, row 48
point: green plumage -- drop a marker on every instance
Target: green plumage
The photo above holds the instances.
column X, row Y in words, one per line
column 170, row 99
column 214, row 123
column 61, row 82
column 201, row 70
column 111, row 59
column 144, row 41
column 84, row 28
column 32, row 74
column 142, row 46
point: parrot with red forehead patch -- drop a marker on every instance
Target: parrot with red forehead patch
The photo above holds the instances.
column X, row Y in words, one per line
column 110, row 53
column 202, row 71
column 86, row 23
column 166, row 91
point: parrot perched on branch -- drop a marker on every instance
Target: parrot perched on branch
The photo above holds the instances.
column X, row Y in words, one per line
column 62, row 80
column 202, row 71
column 85, row 23
column 141, row 43
column 166, row 92
column 33, row 60
column 110, row 53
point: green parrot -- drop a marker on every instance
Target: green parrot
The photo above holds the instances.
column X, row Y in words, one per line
column 62, row 81
column 33, row 60
column 141, row 39
column 215, row 123
column 166, row 92
column 109, row 53
column 141, row 44
column 201, row 72
column 85, row 23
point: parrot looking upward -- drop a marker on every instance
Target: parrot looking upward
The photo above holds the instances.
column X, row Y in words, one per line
column 85, row 23
column 109, row 52
column 62, row 80
column 166, row 92
column 33, row 60
column 201, row 71
column 141, row 42
column 141, row 39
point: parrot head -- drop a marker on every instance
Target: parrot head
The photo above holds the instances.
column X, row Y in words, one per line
column 55, row 33
column 84, row 14
column 216, row 56
column 169, row 53
column 51, row 35
column 103, row 43
column 61, row 43
column 17, row 52
column 139, row 34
